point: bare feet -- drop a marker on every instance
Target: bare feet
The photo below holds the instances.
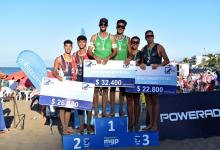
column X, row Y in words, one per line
column 81, row 129
column 65, row 132
column 121, row 113
column 70, row 130
column 112, row 114
column 137, row 127
column 154, row 128
column 148, row 128
column 105, row 115
column 130, row 129
column 89, row 129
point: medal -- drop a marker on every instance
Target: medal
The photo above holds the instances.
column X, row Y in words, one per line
column 148, row 60
column 148, row 56
column 119, row 43
column 103, row 45
column 119, row 48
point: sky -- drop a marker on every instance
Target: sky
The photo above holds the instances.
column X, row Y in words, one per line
column 185, row 27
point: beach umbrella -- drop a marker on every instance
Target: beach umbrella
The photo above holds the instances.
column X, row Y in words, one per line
column 16, row 76
column 21, row 76
column 25, row 82
column 2, row 75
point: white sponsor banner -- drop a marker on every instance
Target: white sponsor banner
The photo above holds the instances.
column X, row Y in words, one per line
column 70, row 94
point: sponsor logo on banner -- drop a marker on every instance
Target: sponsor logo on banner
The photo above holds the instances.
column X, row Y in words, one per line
column 89, row 63
column 85, row 86
column 110, row 141
column 86, row 142
column 137, row 140
column 190, row 115
column 127, row 66
column 47, row 81
column 168, row 70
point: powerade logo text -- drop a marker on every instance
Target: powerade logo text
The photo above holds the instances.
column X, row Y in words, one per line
column 190, row 115
column 110, row 141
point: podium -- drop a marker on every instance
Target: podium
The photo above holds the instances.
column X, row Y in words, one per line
column 110, row 133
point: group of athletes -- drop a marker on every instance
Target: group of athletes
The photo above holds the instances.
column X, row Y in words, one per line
column 102, row 48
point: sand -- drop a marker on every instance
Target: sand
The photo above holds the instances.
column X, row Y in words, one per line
column 36, row 135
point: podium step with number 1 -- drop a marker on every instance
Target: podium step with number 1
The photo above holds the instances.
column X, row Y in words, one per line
column 110, row 132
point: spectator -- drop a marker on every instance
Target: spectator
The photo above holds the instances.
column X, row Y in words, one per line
column 211, row 86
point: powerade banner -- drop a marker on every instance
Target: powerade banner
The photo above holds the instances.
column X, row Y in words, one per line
column 33, row 66
column 113, row 74
column 160, row 80
column 2, row 120
column 190, row 115
column 110, row 133
column 70, row 94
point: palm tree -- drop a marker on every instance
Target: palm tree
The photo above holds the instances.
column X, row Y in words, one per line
column 218, row 62
column 203, row 63
column 186, row 60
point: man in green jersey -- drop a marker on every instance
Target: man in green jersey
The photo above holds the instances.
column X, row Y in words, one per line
column 102, row 48
column 123, row 49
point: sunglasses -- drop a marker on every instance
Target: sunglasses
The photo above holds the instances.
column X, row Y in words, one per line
column 102, row 24
column 148, row 36
column 120, row 26
column 135, row 42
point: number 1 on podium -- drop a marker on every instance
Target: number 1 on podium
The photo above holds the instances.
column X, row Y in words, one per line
column 111, row 129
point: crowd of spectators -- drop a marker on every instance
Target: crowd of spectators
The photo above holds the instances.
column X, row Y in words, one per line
column 198, row 82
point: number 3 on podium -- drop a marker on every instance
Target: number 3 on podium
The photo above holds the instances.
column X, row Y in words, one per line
column 111, row 129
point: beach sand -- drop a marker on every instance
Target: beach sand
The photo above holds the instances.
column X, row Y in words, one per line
column 37, row 136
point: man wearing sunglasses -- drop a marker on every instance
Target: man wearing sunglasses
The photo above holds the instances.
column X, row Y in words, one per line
column 104, row 47
column 123, row 49
column 133, row 103
column 152, row 55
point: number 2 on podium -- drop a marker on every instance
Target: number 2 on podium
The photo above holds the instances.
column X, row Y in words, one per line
column 77, row 143
column 111, row 129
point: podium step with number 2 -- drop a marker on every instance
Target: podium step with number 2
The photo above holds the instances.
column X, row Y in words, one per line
column 110, row 132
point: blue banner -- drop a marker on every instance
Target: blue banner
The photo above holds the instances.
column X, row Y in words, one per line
column 161, row 80
column 2, row 120
column 65, row 102
column 189, row 115
column 33, row 66
column 110, row 82
column 162, row 89
column 110, row 133
column 113, row 74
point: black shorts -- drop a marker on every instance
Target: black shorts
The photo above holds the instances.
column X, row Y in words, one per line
column 122, row 89
column 65, row 109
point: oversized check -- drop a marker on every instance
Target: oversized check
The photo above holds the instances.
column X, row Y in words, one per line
column 69, row 94
column 113, row 74
column 160, row 80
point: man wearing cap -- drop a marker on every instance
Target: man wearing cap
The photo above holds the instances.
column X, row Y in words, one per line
column 104, row 47
column 152, row 55
column 123, row 49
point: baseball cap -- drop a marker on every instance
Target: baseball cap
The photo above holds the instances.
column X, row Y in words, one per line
column 103, row 20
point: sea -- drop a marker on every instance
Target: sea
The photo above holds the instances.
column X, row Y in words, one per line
column 10, row 70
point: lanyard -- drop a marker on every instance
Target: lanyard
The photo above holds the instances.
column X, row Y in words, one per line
column 149, row 52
